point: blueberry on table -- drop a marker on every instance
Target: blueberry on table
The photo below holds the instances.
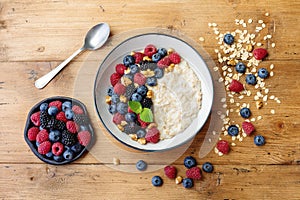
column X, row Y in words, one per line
column 240, row 67
column 245, row 112
column 156, row 181
column 189, row 162
column 250, row 79
column 233, row 130
column 259, row 140
column 207, row 167
column 228, row 39
column 141, row 165
column 263, row 73
column 188, row 183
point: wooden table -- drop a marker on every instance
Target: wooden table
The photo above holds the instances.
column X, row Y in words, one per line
column 37, row 35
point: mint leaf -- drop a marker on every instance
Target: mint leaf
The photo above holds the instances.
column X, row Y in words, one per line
column 135, row 106
column 146, row 115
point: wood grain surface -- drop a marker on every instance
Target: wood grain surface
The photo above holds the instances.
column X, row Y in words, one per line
column 36, row 35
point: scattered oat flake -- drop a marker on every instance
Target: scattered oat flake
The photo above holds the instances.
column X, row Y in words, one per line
column 272, row 111
column 273, row 45
column 201, row 39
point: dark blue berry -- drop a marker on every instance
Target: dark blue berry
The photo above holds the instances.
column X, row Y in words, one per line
column 187, row 183
column 58, row 158
column 128, row 60
column 43, row 106
column 112, row 108
column 152, row 81
column 162, row 52
column 240, row 67
column 245, row 112
column 115, row 98
column 68, row 154
column 156, row 57
column 129, row 76
column 250, row 79
column 66, row 105
column 233, row 130
column 134, row 69
column 207, row 167
column 76, row 147
column 122, row 108
column 228, row 39
column 141, row 165
column 141, row 133
column 110, row 91
column 159, row 73
column 130, row 117
column 142, row 90
column 54, row 135
column 136, row 97
column 69, row 114
column 263, row 73
column 37, row 144
column 52, row 110
column 49, row 154
column 259, row 140
column 189, row 162
column 156, row 181
column 83, row 128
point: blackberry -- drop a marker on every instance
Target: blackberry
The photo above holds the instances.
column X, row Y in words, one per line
column 146, row 103
column 81, row 119
column 148, row 65
column 130, row 89
column 44, row 118
column 68, row 138
column 130, row 128
column 56, row 124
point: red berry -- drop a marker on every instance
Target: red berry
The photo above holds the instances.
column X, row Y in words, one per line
column 152, row 135
column 223, row 146
column 57, row 104
column 118, row 118
column 170, row 172
column 44, row 147
column 57, row 148
column 77, row 110
column 260, row 53
column 72, row 127
column 142, row 123
column 84, row 138
column 120, row 68
column 248, row 127
column 32, row 133
column 175, row 58
column 236, row 86
column 138, row 56
column 35, row 118
column 139, row 78
column 119, row 88
column 114, row 78
column 150, row 50
column 42, row 136
column 163, row 63
column 61, row 116
column 194, row 173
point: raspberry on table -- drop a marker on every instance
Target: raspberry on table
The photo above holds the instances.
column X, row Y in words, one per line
column 194, row 173
column 223, row 146
column 170, row 171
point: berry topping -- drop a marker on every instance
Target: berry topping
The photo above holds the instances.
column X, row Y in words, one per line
column 114, row 78
column 42, row 136
column 248, row 127
column 259, row 140
column 120, row 68
column 158, row 73
column 142, row 90
column 194, row 173
column 250, row 79
column 207, row 167
column 128, row 60
column 138, row 56
column 245, row 112
column 150, row 50
column 236, row 86
column 233, row 130
column 134, row 69
column 156, row 57
column 130, row 117
column 122, row 108
column 175, row 58
column 61, row 116
column 119, row 89
column 142, row 123
column 187, row 183
column 223, row 146
column 152, row 135
column 32, row 133
column 44, row 147
column 84, row 138
column 136, row 97
column 118, row 118
column 57, row 104
column 189, row 162
column 170, row 172
column 228, row 39
column 141, row 165
column 157, row 181
column 163, row 63
column 35, row 118
column 57, row 148
column 139, row 79
column 162, row 52
column 151, row 81
column 260, row 53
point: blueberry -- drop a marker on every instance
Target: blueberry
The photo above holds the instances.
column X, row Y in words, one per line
column 130, row 117
column 142, row 90
column 112, row 108
column 49, row 154
column 159, row 73
column 152, row 81
column 251, row 79
column 187, row 183
column 233, row 130
column 83, row 128
column 52, row 110
column 69, row 114
column 134, row 69
column 190, row 162
column 54, row 136
column 207, row 167
column 110, row 91
column 228, row 39
column 263, row 73
column 76, row 148
column 162, row 52
column 37, row 144
column 128, row 60
column 68, row 154
column 122, row 108
column 58, row 158
column 259, row 140
column 245, row 112
column 141, row 133
column 141, row 165
column 115, row 98
column 129, row 76
column 66, row 105
column 156, row 181
column 43, row 106
column 240, row 67
column 136, row 97
column 156, row 57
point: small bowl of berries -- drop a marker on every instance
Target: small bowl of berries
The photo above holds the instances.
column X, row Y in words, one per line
column 58, row 130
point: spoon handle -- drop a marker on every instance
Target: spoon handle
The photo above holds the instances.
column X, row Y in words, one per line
column 44, row 80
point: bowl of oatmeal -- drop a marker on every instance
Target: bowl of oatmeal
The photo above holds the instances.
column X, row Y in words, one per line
column 153, row 92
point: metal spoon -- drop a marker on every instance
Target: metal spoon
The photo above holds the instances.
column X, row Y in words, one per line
column 94, row 39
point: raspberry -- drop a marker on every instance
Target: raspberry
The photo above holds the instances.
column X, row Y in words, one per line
column 236, row 86
column 170, row 172
column 32, row 133
column 119, row 89
column 248, row 127
column 142, row 123
column 150, row 50
column 57, row 104
column 77, row 110
column 194, row 173
column 72, row 126
column 138, row 57
column 35, row 118
column 260, row 53
column 223, row 146
column 175, row 58
column 44, row 147
column 42, row 136
column 61, row 117
column 163, row 63
column 84, row 138
column 114, row 78
column 152, row 135
column 120, row 68
column 139, row 79
column 57, row 148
